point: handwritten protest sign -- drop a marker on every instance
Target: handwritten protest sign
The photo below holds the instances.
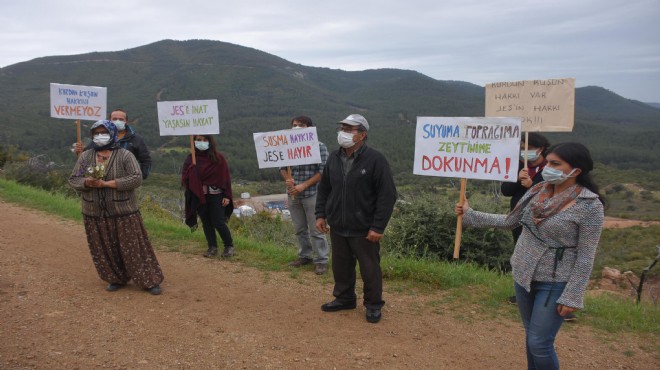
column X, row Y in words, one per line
column 543, row 105
column 192, row 117
column 468, row 147
column 78, row 102
column 287, row 147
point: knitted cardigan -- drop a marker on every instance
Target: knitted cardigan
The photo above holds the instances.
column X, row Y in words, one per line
column 106, row 202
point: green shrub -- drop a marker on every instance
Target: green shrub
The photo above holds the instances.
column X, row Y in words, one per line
column 263, row 227
column 425, row 226
column 40, row 173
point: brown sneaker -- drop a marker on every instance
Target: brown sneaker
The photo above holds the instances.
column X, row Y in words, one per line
column 300, row 262
column 321, row 268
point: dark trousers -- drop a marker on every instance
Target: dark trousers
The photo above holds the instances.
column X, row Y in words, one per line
column 213, row 218
column 346, row 251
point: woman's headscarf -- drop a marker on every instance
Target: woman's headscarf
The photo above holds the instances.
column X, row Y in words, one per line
column 112, row 130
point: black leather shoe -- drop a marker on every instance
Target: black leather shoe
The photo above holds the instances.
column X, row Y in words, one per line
column 373, row 315
column 337, row 306
column 113, row 287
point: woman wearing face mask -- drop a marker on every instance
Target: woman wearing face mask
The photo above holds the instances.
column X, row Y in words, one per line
column 562, row 220
column 208, row 194
column 106, row 177
column 529, row 176
column 128, row 140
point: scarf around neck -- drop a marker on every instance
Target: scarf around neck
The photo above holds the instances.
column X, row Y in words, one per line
column 547, row 204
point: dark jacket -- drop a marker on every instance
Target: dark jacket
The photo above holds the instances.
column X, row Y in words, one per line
column 134, row 144
column 361, row 201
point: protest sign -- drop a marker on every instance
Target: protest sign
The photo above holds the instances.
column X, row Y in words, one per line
column 192, row 117
column 544, row 105
column 468, row 147
column 287, row 147
column 78, row 102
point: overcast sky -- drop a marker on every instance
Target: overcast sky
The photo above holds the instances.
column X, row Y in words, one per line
column 614, row 44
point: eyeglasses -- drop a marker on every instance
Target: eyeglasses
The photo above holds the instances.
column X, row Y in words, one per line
column 348, row 129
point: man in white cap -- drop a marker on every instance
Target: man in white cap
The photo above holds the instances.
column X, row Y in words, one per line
column 355, row 198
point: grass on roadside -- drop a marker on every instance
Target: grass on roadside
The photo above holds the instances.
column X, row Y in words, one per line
column 464, row 284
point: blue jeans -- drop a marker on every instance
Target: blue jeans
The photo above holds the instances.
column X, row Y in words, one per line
column 538, row 310
column 309, row 238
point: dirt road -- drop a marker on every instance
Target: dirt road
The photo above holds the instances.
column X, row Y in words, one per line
column 55, row 314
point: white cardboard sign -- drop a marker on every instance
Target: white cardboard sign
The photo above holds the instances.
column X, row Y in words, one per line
column 189, row 117
column 78, row 102
column 468, row 147
column 287, row 147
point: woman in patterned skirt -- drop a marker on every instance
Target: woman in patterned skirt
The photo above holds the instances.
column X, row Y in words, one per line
column 562, row 219
column 106, row 176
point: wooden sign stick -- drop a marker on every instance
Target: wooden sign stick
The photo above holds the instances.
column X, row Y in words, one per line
column 526, row 148
column 78, row 141
column 459, row 222
column 192, row 149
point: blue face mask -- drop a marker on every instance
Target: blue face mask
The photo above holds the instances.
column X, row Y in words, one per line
column 555, row 177
column 202, row 145
column 531, row 155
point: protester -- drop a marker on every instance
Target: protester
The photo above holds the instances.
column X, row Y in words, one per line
column 355, row 198
column 106, row 177
column 301, row 184
column 537, row 146
column 208, row 194
column 129, row 140
column 562, row 220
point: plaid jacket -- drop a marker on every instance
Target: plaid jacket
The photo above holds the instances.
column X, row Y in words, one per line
column 303, row 172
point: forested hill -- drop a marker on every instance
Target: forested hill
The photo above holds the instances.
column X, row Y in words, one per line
column 257, row 91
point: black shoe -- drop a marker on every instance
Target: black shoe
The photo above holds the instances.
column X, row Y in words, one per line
column 228, row 252
column 337, row 306
column 373, row 315
column 302, row 261
column 155, row 290
column 512, row 300
column 570, row 317
column 212, row 251
column 113, row 287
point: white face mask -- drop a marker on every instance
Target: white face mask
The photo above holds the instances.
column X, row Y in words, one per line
column 202, row 145
column 101, row 139
column 121, row 125
column 345, row 139
column 555, row 177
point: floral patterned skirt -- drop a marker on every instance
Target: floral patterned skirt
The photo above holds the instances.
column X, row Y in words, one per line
column 121, row 250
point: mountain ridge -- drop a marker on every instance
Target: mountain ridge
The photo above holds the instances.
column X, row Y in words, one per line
column 258, row 91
